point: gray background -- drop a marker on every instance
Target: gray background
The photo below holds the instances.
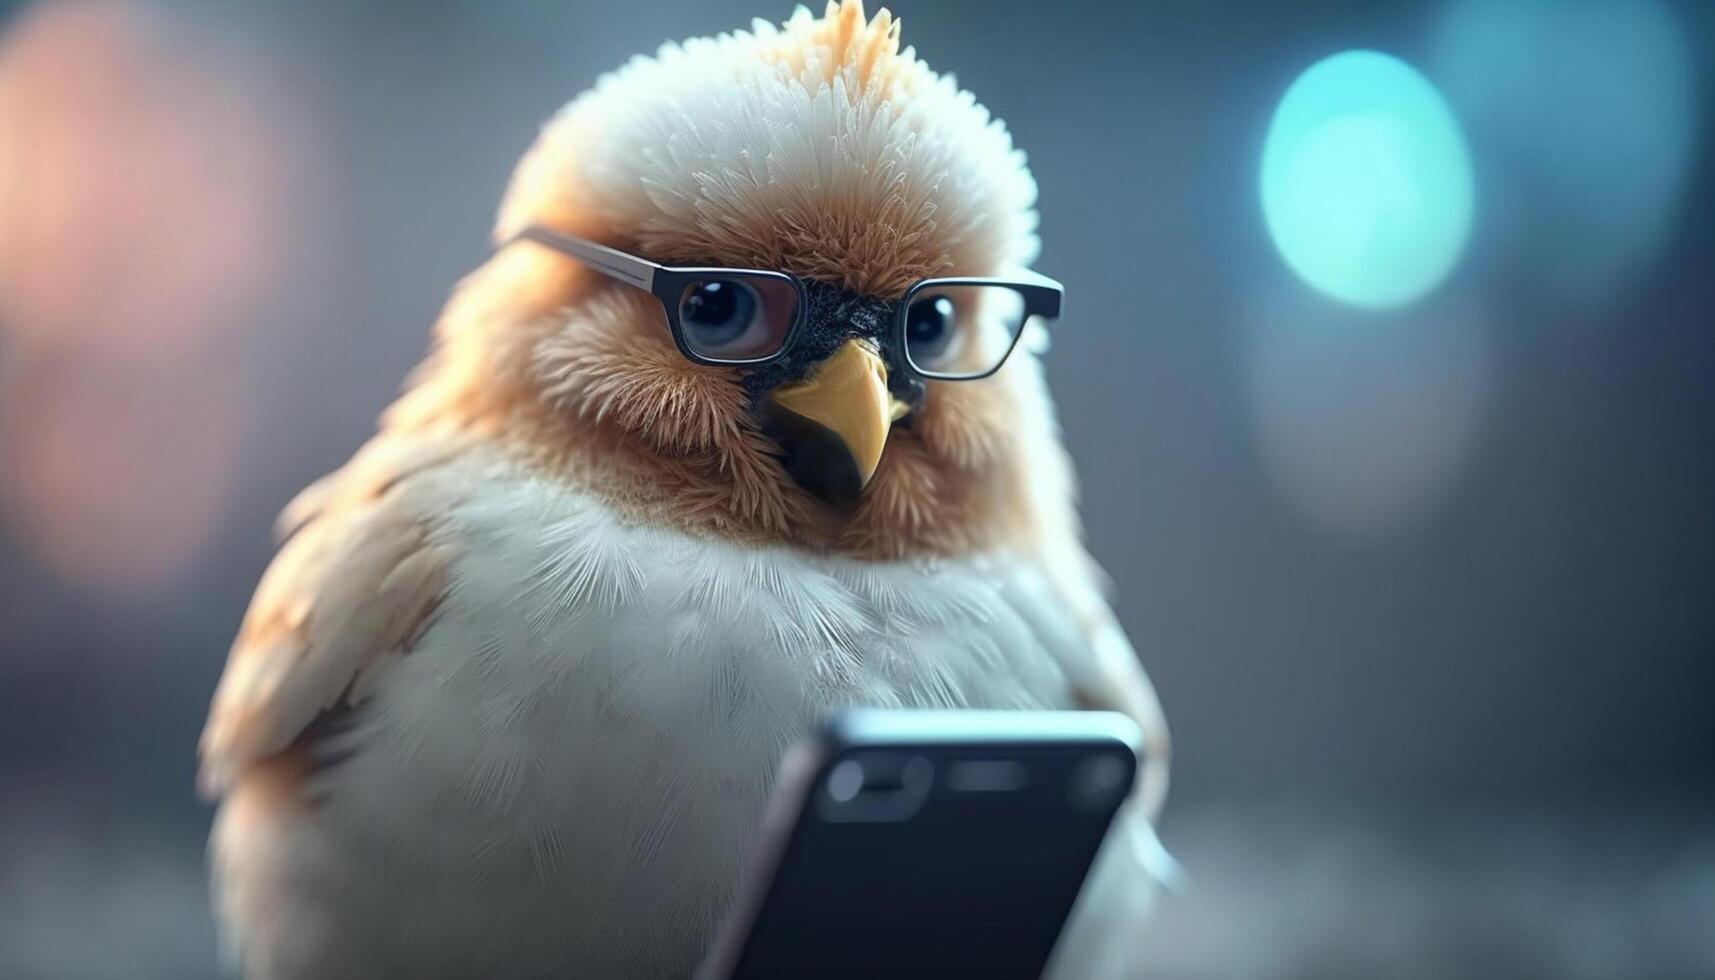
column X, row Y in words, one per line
column 1438, row 711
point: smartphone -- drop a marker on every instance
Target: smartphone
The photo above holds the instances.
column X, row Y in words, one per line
column 940, row 844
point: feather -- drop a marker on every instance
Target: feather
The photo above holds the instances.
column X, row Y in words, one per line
column 353, row 586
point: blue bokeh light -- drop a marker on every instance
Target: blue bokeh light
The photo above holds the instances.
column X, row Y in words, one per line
column 1366, row 180
column 1585, row 113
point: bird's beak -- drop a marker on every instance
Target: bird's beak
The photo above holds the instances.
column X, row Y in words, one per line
column 833, row 425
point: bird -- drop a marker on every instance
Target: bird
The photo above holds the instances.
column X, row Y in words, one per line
column 510, row 698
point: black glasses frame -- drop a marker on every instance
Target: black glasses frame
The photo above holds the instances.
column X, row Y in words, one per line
column 667, row 284
column 1042, row 296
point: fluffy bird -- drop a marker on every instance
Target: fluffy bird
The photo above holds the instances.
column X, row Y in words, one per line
column 510, row 698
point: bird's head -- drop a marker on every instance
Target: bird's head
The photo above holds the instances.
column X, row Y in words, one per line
column 818, row 150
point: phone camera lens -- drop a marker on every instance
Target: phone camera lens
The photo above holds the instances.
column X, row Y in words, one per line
column 875, row 787
column 845, row 781
column 1100, row 780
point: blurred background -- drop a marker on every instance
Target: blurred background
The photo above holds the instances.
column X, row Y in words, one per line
column 1389, row 370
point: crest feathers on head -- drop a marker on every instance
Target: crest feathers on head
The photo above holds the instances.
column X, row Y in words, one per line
column 817, row 147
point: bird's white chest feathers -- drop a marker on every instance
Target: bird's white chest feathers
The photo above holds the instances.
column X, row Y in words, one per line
column 590, row 727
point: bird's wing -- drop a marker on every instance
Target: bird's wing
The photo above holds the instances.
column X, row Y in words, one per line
column 1117, row 682
column 1108, row 674
column 355, row 583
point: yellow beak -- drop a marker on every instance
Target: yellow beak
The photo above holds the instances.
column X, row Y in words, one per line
column 847, row 395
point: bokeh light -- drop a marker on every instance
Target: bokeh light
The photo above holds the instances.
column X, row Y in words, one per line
column 141, row 221
column 119, row 472
column 1366, row 180
column 136, row 194
column 1364, row 420
column 1584, row 113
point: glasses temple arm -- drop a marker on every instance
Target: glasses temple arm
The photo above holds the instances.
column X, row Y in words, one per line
column 610, row 261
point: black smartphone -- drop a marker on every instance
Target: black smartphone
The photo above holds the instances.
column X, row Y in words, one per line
column 941, row 844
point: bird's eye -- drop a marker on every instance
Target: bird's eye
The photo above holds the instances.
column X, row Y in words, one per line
column 930, row 324
column 718, row 316
column 963, row 330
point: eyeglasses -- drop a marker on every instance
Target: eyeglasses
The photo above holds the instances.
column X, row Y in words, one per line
column 953, row 329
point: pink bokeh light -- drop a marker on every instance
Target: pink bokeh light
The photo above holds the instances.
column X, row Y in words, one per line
column 141, row 219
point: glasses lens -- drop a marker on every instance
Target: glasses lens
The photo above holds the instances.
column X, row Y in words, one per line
column 737, row 318
column 962, row 331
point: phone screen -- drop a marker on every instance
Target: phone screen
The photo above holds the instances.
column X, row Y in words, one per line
column 934, row 860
